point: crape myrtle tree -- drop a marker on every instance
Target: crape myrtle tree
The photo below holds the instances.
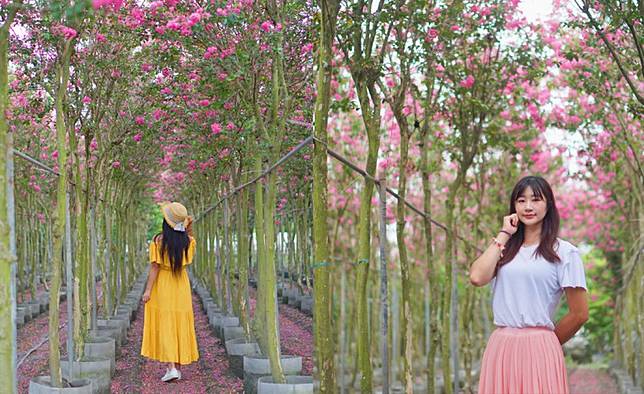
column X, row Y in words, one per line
column 324, row 342
column 362, row 36
column 7, row 260
column 231, row 77
column 71, row 105
column 456, row 80
column 596, row 79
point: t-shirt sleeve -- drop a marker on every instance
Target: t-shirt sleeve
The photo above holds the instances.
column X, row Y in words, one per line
column 571, row 274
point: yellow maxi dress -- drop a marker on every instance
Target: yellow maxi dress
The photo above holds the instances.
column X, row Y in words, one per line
column 168, row 325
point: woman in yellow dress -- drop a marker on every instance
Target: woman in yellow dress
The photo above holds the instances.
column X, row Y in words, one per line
column 168, row 326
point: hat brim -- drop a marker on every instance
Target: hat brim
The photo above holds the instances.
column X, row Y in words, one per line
column 163, row 206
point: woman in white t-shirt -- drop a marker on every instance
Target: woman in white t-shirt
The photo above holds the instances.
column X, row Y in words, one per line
column 529, row 268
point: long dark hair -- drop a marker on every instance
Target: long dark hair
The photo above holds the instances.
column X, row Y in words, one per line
column 549, row 226
column 175, row 243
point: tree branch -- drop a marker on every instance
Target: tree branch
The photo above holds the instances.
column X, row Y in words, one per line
column 586, row 10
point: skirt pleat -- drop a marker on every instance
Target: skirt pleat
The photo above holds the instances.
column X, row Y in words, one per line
column 523, row 361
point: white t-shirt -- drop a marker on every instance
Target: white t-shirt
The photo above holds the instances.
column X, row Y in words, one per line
column 527, row 290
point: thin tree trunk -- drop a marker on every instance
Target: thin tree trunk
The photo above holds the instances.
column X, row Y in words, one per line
column 272, row 322
column 59, row 218
column 406, row 327
column 8, row 351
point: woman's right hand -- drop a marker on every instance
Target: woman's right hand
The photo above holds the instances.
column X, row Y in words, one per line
column 511, row 223
column 146, row 297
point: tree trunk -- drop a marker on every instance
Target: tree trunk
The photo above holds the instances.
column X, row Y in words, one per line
column 372, row 123
column 8, row 351
column 406, row 326
column 59, row 218
column 242, row 253
column 260, row 305
column 272, row 321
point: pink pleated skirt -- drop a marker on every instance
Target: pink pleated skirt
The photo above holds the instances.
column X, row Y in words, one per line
column 523, row 361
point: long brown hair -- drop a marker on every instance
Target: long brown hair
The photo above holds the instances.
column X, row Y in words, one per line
column 175, row 244
column 549, row 225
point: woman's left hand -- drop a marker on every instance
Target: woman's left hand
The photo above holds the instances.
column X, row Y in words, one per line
column 146, row 297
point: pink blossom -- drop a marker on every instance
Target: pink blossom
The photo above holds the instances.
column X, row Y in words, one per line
column 137, row 137
column 65, row 31
column 224, row 153
column 19, row 101
column 306, row 48
column 146, row 67
column 468, row 82
column 86, row 100
column 204, row 103
column 267, row 26
column 431, row 34
column 215, row 128
column 140, row 120
column 230, row 126
column 93, row 145
column 116, row 164
column 114, row 4
column 100, row 37
column 228, row 105
column 158, row 114
column 455, row 28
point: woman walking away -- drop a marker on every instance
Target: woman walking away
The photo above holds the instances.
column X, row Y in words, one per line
column 168, row 326
column 529, row 268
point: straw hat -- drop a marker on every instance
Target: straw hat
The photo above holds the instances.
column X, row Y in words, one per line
column 176, row 215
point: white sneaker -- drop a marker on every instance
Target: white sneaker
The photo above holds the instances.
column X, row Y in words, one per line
column 170, row 375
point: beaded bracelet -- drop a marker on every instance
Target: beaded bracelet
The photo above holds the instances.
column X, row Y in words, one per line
column 498, row 244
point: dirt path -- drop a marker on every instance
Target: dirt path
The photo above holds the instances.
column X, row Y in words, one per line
column 591, row 381
column 136, row 374
column 30, row 335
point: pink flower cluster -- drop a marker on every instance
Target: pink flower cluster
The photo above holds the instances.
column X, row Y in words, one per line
column 183, row 24
column 268, row 26
column 113, row 4
column 215, row 128
column 65, row 31
column 468, row 82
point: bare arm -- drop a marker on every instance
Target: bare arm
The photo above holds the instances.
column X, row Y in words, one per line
column 576, row 316
column 152, row 277
column 482, row 270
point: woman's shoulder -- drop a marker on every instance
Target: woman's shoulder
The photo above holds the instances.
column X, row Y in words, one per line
column 565, row 248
